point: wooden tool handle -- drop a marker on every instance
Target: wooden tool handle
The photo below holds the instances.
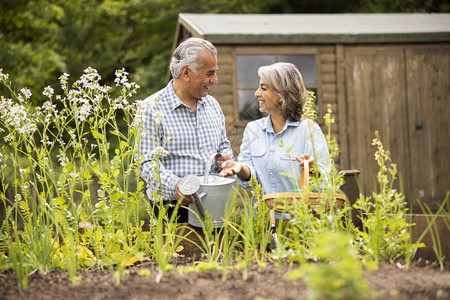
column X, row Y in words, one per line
column 304, row 176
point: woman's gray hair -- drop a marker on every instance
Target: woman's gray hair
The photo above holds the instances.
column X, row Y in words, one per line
column 287, row 83
column 188, row 54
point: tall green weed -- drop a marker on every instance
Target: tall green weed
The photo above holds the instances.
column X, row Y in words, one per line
column 385, row 234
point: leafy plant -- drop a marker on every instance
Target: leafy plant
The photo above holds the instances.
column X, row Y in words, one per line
column 166, row 239
column 432, row 228
column 56, row 154
column 385, row 234
column 337, row 272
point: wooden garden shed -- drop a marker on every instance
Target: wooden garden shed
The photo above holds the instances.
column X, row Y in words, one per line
column 379, row 72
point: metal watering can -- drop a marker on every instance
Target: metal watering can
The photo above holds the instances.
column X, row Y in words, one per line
column 210, row 195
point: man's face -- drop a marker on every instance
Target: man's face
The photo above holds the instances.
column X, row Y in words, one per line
column 204, row 78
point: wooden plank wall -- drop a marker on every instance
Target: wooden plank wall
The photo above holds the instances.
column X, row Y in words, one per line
column 225, row 94
column 375, row 95
column 428, row 90
column 402, row 92
column 327, row 90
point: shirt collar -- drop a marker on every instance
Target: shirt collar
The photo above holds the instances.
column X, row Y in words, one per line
column 269, row 126
column 175, row 101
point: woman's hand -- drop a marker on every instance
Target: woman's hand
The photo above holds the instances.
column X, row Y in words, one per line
column 305, row 157
column 230, row 168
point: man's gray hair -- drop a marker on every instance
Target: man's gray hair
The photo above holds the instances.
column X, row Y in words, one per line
column 188, row 54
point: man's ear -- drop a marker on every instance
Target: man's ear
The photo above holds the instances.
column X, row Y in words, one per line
column 185, row 72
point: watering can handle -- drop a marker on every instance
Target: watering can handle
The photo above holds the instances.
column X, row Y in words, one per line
column 304, row 176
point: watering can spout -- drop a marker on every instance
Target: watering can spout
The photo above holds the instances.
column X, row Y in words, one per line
column 199, row 203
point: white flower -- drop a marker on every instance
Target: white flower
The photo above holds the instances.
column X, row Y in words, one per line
column 48, row 91
column 46, row 140
column 121, row 77
column 16, row 116
column 90, row 80
column 62, row 158
column 17, row 198
column 157, row 117
column 84, row 111
column 100, row 193
column 3, row 76
column 48, row 109
column 26, row 93
column 160, row 152
column 63, row 79
column 61, row 142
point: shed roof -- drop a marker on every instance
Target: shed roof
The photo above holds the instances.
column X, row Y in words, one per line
column 317, row 28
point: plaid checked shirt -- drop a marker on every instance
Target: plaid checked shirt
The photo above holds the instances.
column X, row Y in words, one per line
column 187, row 139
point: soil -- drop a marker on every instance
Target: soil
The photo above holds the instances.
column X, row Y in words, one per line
column 423, row 280
column 389, row 281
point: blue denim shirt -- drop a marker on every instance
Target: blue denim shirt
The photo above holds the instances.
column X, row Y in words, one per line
column 270, row 156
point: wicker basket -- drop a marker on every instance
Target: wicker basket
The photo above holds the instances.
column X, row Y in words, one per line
column 284, row 202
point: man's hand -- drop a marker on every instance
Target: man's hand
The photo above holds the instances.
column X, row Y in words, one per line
column 220, row 159
column 183, row 199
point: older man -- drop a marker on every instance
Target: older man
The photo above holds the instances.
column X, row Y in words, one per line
column 183, row 126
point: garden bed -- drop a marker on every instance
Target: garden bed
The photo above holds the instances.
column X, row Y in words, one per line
column 389, row 281
column 75, row 208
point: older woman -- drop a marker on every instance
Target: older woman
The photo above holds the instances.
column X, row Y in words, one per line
column 272, row 146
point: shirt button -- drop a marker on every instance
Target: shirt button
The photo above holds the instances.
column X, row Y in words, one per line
column 271, row 173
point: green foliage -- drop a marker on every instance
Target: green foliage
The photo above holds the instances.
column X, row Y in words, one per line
column 165, row 239
column 432, row 228
column 338, row 273
column 385, row 234
column 57, row 154
column 404, row 6
column 42, row 39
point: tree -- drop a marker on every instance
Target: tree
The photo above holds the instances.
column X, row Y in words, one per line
column 42, row 39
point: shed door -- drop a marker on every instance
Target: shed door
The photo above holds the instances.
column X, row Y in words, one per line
column 401, row 93
column 428, row 90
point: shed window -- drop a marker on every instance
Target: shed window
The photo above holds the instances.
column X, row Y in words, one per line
column 248, row 79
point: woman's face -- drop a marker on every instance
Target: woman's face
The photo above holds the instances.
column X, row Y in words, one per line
column 268, row 100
